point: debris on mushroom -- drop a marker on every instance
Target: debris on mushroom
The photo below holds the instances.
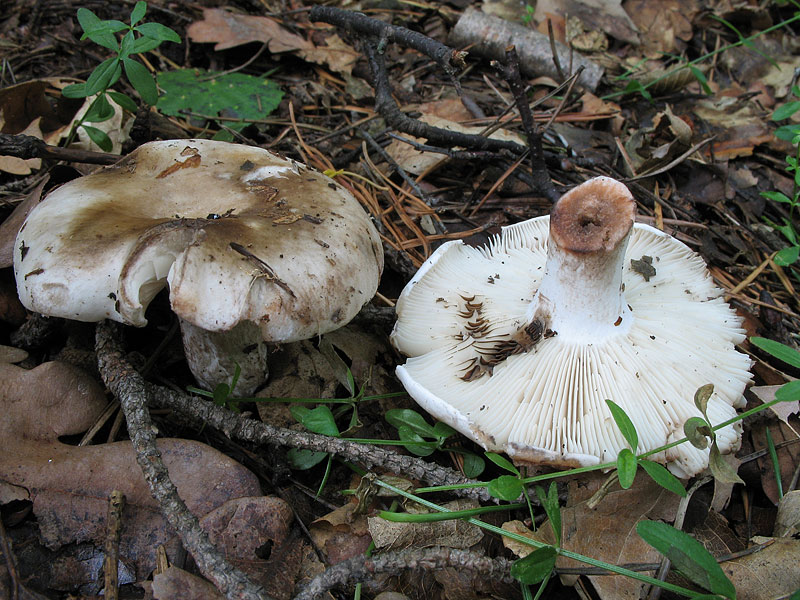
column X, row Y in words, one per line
column 255, row 248
column 519, row 344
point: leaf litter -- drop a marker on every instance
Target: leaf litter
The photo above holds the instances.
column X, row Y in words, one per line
column 708, row 158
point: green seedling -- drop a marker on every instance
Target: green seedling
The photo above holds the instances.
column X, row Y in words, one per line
column 791, row 133
column 139, row 37
column 235, row 99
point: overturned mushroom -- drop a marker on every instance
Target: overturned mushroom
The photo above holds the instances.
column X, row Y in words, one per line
column 518, row 344
column 254, row 248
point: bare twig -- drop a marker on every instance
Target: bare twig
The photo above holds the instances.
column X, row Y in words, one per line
column 115, row 369
column 450, row 60
column 128, row 386
column 510, row 72
column 362, row 568
column 27, row 146
column 116, row 503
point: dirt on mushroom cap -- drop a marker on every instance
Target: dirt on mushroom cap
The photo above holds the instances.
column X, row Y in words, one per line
column 311, row 257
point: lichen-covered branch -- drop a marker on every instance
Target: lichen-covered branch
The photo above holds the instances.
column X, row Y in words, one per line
column 129, row 388
column 362, row 568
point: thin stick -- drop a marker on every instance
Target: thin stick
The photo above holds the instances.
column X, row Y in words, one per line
column 116, row 502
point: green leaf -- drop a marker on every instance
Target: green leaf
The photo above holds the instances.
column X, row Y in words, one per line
column 551, row 506
column 411, row 419
column 505, row 487
column 137, row 14
column 88, row 20
column 75, row 90
column 787, row 256
column 702, row 396
column 141, row 80
column 698, row 432
column 502, row 462
column 788, row 392
column 701, row 78
column 720, row 469
column 123, row 101
column 318, row 420
column 99, row 110
column 688, row 556
column 626, row 468
column 536, row 566
column 443, row 430
column 302, row 459
column 785, row 111
column 99, row 137
column 126, row 45
column 625, row 425
column 413, row 442
column 145, row 44
column 157, row 31
column 777, row 197
column 780, row 351
column 787, row 132
column 663, row 477
column 473, row 465
column 104, row 76
column 233, row 95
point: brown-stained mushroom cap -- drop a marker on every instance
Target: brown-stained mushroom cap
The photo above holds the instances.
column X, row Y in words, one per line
column 244, row 238
column 519, row 344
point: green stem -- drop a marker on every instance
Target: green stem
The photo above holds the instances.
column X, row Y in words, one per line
column 536, row 544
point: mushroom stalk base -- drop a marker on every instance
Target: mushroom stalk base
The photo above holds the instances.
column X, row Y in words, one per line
column 213, row 356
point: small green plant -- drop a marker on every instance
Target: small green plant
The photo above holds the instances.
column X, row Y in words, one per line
column 791, row 133
column 236, row 99
column 138, row 37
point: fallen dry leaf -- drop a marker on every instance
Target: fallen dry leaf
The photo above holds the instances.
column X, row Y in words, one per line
column 341, row 533
column 608, row 532
column 177, row 583
column 664, row 25
column 253, row 534
column 787, row 522
column 597, row 15
column 768, row 573
column 227, row 30
column 69, row 485
column 783, row 410
column 455, row 533
column 10, row 227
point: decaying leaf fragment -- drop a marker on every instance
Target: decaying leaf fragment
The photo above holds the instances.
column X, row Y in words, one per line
column 69, row 485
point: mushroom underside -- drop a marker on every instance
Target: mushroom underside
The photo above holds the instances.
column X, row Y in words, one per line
column 461, row 316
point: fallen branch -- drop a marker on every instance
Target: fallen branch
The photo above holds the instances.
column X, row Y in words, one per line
column 129, row 387
column 27, row 146
column 362, row 568
column 114, row 368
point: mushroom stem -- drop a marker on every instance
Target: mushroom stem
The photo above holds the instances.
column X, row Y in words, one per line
column 213, row 356
column 580, row 296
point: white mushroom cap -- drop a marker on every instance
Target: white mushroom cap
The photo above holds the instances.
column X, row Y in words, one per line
column 518, row 344
column 240, row 234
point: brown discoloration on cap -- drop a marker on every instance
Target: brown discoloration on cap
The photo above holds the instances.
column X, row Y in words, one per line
column 595, row 216
column 163, row 195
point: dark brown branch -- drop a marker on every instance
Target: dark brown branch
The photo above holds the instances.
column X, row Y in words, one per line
column 129, row 387
column 511, row 74
column 27, row 146
column 450, row 60
column 363, row 568
column 390, row 111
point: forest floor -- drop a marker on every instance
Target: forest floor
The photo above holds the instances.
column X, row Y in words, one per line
column 692, row 104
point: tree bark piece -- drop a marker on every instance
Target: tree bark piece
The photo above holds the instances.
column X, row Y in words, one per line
column 489, row 37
